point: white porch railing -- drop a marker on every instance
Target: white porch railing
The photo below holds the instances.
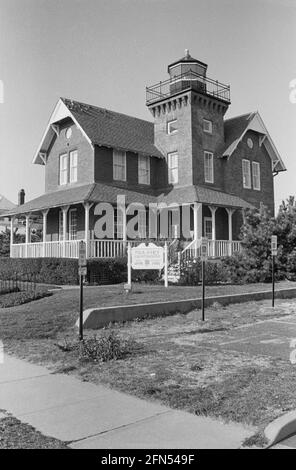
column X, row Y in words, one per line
column 69, row 249
column 216, row 248
column 113, row 249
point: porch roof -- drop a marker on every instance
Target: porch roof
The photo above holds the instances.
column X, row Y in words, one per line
column 95, row 192
column 99, row 192
column 204, row 195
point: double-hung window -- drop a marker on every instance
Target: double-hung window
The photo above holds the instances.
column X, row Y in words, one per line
column 256, row 175
column 209, row 167
column 246, row 167
column 73, row 224
column 119, row 165
column 173, row 168
column 63, row 169
column 73, row 166
column 144, row 169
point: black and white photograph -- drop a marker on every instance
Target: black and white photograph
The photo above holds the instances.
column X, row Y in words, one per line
column 147, row 228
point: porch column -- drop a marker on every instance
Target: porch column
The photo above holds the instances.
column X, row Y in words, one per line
column 11, row 235
column 27, row 233
column 65, row 228
column 213, row 212
column 87, row 207
column 230, row 212
column 44, row 229
column 197, row 221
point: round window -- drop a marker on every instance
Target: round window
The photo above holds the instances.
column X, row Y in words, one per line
column 68, row 133
column 250, row 143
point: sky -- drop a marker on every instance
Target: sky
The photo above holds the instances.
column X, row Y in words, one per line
column 105, row 52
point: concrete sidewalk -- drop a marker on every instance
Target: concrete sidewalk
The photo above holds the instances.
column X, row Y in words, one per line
column 90, row 416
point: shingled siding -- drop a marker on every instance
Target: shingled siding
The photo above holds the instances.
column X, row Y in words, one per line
column 180, row 142
column 233, row 178
column 201, row 141
column 104, row 171
column 63, row 145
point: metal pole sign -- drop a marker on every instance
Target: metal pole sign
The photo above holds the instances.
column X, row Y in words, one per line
column 203, row 257
column 273, row 255
column 82, row 271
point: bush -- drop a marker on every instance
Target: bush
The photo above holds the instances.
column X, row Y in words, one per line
column 114, row 271
column 19, row 298
column 191, row 273
column 44, row 270
column 109, row 346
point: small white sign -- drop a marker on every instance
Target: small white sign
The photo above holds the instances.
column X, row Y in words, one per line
column 147, row 256
column 274, row 245
column 204, row 249
column 82, row 254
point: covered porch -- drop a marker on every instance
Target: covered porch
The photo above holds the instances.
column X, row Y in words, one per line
column 65, row 226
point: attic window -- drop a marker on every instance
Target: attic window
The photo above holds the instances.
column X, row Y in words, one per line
column 207, row 126
column 68, row 133
column 172, row 127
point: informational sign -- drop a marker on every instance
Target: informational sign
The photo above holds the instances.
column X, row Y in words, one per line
column 147, row 256
column 82, row 254
column 274, row 245
column 204, row 249
column 82, row 270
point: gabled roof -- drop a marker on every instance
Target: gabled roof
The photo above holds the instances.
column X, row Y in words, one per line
column 5, row 204
column 101, row 127
column 235, row 129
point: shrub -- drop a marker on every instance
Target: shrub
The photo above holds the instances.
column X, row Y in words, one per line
column 19, row 298
column 114, row 271
column 107, row 347
column 44, row 270
column 191, row 273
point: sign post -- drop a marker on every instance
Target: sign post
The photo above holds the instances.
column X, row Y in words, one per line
column 273, row 255
column 166, row 283
column 82, row 271
column 203, row 257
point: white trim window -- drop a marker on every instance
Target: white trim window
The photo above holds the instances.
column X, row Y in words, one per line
column 144, row 169
column 172, row 127
column 173, row 168
column 73, row 224
column 256, row 176
column 207, row 126
column 63, row 169
column 73, row 166
column 61, row 226
column 209, row 167
column 119, row 165
column 246, row 168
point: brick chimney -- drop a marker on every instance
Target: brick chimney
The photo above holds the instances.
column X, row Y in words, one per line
column 21, row 197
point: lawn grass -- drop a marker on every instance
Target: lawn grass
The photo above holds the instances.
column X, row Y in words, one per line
column 16, row 435
column 176, row 361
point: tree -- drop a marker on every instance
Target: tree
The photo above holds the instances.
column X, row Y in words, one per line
column 5, row 241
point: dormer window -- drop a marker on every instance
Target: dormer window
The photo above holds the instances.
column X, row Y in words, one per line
column 207, row 126
column 172, row 127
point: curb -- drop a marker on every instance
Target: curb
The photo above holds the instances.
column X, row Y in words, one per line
column 281, row 428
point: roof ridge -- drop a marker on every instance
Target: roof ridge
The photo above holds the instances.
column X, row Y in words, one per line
column 104, row 109
column 240, row 115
